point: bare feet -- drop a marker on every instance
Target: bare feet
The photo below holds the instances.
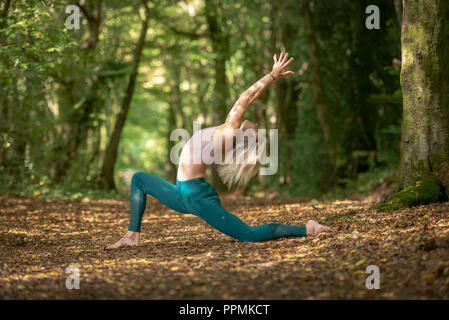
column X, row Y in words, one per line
column 131, row 239
column 313, row 228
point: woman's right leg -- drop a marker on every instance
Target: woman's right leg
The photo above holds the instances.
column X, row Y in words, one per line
column 231, row 225
column 206, row 204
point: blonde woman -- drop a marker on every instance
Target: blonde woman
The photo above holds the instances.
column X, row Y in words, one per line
column 192, row 194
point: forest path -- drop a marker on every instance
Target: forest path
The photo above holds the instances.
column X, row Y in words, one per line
column 181, row 257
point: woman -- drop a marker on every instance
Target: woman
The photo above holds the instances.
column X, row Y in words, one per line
column 192, row 194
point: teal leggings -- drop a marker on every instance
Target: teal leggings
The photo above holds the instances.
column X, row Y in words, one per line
column 198, row 197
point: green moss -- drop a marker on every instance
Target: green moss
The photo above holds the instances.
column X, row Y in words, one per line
column 424, row 190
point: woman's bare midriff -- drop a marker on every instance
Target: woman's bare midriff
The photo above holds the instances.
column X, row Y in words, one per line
column 187, row 171
column 191, row 165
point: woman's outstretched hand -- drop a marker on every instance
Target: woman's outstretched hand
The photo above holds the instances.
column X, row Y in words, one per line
column 280, row 65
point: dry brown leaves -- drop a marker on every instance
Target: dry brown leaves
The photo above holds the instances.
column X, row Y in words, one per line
column 181, row 257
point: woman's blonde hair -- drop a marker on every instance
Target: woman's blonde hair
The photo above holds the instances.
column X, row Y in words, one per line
column 242, row 161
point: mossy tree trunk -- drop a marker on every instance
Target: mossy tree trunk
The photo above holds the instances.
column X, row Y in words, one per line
column 425, row 88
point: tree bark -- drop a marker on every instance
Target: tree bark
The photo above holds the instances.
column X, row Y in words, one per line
column 398, row 9
column 175, row 113
column 425, row 86
column 220, row 46
column 106, row 178
column 323, row 112
column 287, row 93
column 80, row 118
column 92, row 12
column 359, row 132
column 4, row 111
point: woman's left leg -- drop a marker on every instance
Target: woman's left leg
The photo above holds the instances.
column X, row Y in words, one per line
column 143, row 183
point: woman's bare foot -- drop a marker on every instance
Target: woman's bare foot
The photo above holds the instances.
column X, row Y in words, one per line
column 313, row 228
column 131, row 239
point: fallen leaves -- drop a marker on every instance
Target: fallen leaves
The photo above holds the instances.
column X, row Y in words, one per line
column 181, row 257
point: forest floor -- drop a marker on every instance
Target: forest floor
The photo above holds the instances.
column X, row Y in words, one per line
column 181, row 257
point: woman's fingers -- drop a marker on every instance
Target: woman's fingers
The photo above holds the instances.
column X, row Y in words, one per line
column 287, row 73
column 285, row 65
column 282, row 62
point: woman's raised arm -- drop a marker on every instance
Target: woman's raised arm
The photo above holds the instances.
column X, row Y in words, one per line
column 235, row 116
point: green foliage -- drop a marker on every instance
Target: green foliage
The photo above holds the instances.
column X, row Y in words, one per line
column 143, row 145
column 60, row 100
column 45, row 189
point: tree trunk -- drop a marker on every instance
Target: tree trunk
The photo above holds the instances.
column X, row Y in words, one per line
column 324, row 114
column 220, row 46
column 79, row 128
column 80, row 118
column 170, row 167
column 425, row 86
column 92, row 11
column 398, row 9
column 359, row 132
column 175, row 114
column 4, row 110
column 106, row 178
column 287, row 103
